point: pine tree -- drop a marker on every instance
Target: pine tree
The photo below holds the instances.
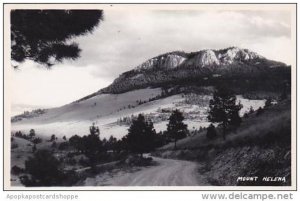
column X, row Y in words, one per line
column 224, row 110
column 76, row 142
column 92, row 145
column 284, row 94
column 32, row 133
column 251, row 110
column 44, row 169
column 43, row 35
column 176, row 128
column 234, row 117
column 268, row 102
column 141, row 136
column 111, row 143
column 52, row 138
column 34, row 148
column 211, row 132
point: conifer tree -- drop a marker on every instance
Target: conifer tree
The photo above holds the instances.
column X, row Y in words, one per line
column 224, row 110
column 176, row 128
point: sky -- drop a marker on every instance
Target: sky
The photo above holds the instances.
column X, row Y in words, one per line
column 126, row 39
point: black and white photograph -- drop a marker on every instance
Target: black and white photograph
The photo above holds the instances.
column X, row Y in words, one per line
column 126, row 96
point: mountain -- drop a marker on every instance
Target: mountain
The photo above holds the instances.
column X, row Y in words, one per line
column 200, row 68
column 180, row 80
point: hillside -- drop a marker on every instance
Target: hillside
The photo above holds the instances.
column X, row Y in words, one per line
column 112, row 113
column 260, row 147
column 233, row 65
column 160, row 85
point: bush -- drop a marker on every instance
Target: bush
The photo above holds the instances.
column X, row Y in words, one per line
column 53, row 145
column 211, row 132
column 83, row 161
column 44, row 169
column 259, row 111
column 34, row 148
column 71, row 161
column 63, row 146
column 268, row 102
column 16, row 170
column 14, row 146
column 138, row 161
column 37, row 140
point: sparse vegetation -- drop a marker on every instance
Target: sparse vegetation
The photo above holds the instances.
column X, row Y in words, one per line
column 28, row 115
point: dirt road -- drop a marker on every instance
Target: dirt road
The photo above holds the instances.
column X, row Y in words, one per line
column 167, row 172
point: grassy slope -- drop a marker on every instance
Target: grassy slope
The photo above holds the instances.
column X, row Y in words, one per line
column 260, row 147
column 254, row 127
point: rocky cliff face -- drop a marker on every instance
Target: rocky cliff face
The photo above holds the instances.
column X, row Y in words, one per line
column 234, row 65
column 174, row 67
column 203, row 58
column 164, row 62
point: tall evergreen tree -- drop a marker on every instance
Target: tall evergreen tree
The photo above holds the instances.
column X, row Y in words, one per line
column 268, row 102
column 32, row 133
column 92, row 145
column 176, row 128
column 224, row 110
column 44, row 169
column 211, row 132
column 76, row 142
column 44, row 36
column 141, row 136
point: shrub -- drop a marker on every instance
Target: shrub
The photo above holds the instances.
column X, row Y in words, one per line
column 14, row 146
column 63, row 146
column 259, row 111
column 52, row 138
column 32, row 133
column 268, row 102
column 83, row 161
column 211, row 132
column 16, row 170
column 37, row 140
column 44, row 170
column 34, row 148
column 71, row 161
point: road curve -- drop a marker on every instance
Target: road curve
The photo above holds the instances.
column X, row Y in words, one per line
column 168, row 172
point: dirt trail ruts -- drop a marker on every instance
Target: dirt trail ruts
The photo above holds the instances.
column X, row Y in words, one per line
column 168, row 172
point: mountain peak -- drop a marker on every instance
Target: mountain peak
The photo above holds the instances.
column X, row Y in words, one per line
column 180, row 66
column 233, row 54
column 202, row 58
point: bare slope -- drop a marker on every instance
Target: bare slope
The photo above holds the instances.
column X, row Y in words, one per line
column 106, row 110
column 76, row 117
